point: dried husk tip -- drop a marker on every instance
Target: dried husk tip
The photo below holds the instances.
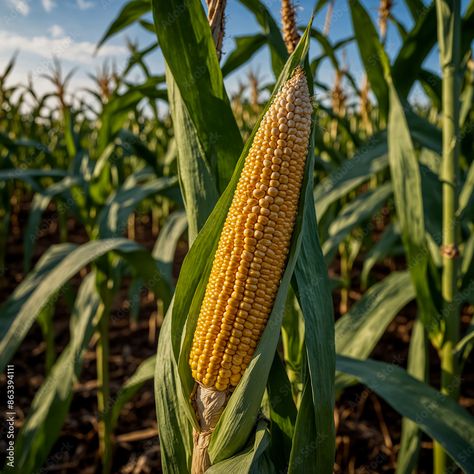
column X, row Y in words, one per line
column 209, row 405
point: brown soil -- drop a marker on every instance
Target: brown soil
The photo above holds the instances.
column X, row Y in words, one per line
column 368, row 434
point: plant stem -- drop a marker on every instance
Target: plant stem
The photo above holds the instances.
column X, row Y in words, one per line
column 448, row 12
column 103, row 389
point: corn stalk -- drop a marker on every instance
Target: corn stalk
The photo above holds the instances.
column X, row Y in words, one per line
column 448, row 12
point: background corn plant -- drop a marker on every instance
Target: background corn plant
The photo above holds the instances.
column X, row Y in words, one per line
column 409, row 166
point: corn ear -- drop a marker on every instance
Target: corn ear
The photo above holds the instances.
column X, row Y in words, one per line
column 254, row 242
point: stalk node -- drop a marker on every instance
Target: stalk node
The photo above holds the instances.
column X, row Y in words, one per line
column 449, row 251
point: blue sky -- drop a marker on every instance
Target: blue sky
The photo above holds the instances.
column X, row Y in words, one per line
column 70, row 29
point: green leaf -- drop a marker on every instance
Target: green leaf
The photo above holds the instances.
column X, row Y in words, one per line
column 248, row 461
column 384, row 247
column 38, row 206
column 282, row 412
column 197, row 178
column 360, row 329
column 48, row 261
column 23, row 143
column 307, row 440
column 292, row 335
column 25, row 174
column 466, row 344
column 185, row 38
column 53, row 280
column 467, row 98
column 174, row 428
column 415, row 48
column 371, row 51
column 370, row 159
column 410, row 442
column 467, row 192
column 145, row 372
column 329, row 50
column 113, row 218
column 165, row 246
column 312, row 288
column 407, row 188
column 117, row 110
column 50, row 406
column 132, row 144
column 130, row 13
column 431, row 83
column 416, row 7
column 271, row 29
column 437, row 415
column 354, row 214
column 245, row 48
column 424, row 133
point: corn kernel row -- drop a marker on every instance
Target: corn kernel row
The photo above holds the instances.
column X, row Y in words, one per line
column 254, row 242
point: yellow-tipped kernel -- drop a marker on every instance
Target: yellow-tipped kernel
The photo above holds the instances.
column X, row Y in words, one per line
column 254, row 243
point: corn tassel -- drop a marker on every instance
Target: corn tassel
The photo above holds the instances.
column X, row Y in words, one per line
column 288, row 20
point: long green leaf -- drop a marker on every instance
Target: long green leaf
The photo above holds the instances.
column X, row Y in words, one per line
column 46, row 264
column 38, row 206
column 410, row 442
column 407, row 188
column 437, row 415
column 415, row 48
column 144, row 373
column 364, row 207
column 311, row 285
column 197, row 178
column 271, row 29
column 54, row 280
column 359, row 330
column 373, row 56
column 176, row 443
column 248, row 461
column 51, row 403
column 113, row 217
column 186, row 41
column 165, row 246
column 130, row 13
column 24, row 174
column 282, row 412
column 370, row 159
column 245, row 48
column 384, row 247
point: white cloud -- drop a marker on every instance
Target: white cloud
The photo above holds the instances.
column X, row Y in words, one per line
column 48, row 5
column 84, row 4
column 21, row 6
column 56, row 31
column 64, row 48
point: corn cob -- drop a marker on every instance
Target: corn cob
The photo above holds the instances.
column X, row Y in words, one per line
column 254, row 242
column 216, row 18
column 288, row 20
column 385, row 9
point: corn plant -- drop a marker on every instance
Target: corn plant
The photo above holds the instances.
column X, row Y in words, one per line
column 250, row 361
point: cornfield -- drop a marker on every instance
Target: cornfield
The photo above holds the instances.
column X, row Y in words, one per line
column 274, row 280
